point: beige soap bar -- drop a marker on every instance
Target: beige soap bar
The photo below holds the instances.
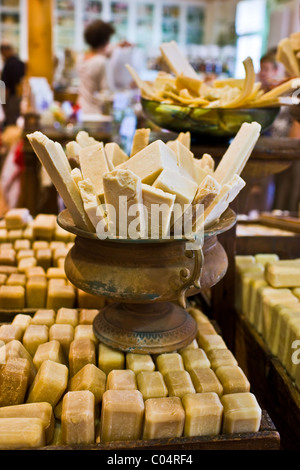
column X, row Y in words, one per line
column 89, row 378
column 15, row 349
column 205, row 380
column 194, row 358
column 124, row 204
column 233, row 379
column 158, row 208
column 121, row 380
column 179, row 383
column 44, row 226
column 67, row 316
column 16, row 279
column 14, row 378
column 22, row 320
column 110, row 359
column 221, row 357
column 16, row 218
column 51, row 350
column 60, row 296
column 115, row 154
column 22, row 245
column 204, row 329
column 203, row 414
column 49, row 384
column 185, row 160
column 10, row 332
column 85, row 331
column 81, row 352
column 198, row 315
column 21, row 433
column 283, row 273
column 151, row 384
column 34, row 336
column 140, row 140
column 78, row 418
column 44, row 317
column 150, row 162
column 122, row 415
column 211, row 341
column 139, row 362
column 278, row 326
column 242, row 413
column 36, row 292
column 93, row 164
column 43, row 411
column 87, row 316
column 12, row 297
column 44, row 258
column 92, row 204
column 64, row 333
column 164, row 418
column 167, row 362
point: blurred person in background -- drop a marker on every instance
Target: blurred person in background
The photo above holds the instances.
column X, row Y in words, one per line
column 12, row 76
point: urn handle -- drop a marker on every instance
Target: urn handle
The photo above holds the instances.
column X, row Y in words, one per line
column 188, row 278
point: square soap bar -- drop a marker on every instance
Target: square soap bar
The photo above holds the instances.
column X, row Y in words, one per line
column 36, row 292
column 82, row 352
column 34, row 336
column 89, row 378
column 12, row 297
column 49, row 384
column 78, row 418
column 85, row 331
column 44, row 317
column 110, row 359
column 14, row 377
column 194, row 358
column 139, row 362
column 22, row 320
column 233, row 379
column 164, row 418
column 221, row 357
column 51, row 350
column 10, row 332
column 67, row 316
column 242, row 413
column 87, row 316
column 121, row 380
column 151, row 384
column 205, row 380
column 62, row 333
column 168, row 362
column 122, row 415
column 211, row 341
column 15, row 349
column 203, row 414
column 179, row 383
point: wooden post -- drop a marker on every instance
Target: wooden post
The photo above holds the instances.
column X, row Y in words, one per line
column 40, row 45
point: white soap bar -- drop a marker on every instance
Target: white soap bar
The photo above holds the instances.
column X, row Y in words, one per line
column 158, row 209
column 93, row 164
column 115, row 154
column 91, row 204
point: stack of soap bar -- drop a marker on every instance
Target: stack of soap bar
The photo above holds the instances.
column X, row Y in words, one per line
column 242, row 413
column 164, row 418
column 122, row 415
column 203, row 414
column 42, row 411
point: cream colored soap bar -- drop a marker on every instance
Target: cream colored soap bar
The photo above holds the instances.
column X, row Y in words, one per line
column 195, row 358
column 42, row 411
column 49, row 384
column 85, row 331
column 204, row 330
column 158, row 207
column 205, row 380
column 121, row 380
column 167, row 362
column 67, row 316
column 93, row 164
column 10, row 332
column 150, row 162
column 242, row 413
column 203, row 414
column 264, row 258
column 122, row 415
column 211, row 341
column 233, row 379
column 278, row 327
column 64, row 333
column 269, row 305
column 138, row 362
column 12, row 297
column 51, row 350
column 60, row 296
column 124, row 204
column 115, row 155
column 164, row 418
column 185, row 160
column 36, row 292
column 21, row 433
column 82, row 352
column 87, row 316
column 16, row 279
column 283, row 274
column 14, row 378
column 198, row 315
column 151, row 384
column 78, row 418
column 110, row 359
column 17, row 218
column 44, row 317
column 91, row 378
column 221, row 357
column 15, row 349
column 92, row 204
column 140, row 140
column 179, row 383
column 34, row 336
